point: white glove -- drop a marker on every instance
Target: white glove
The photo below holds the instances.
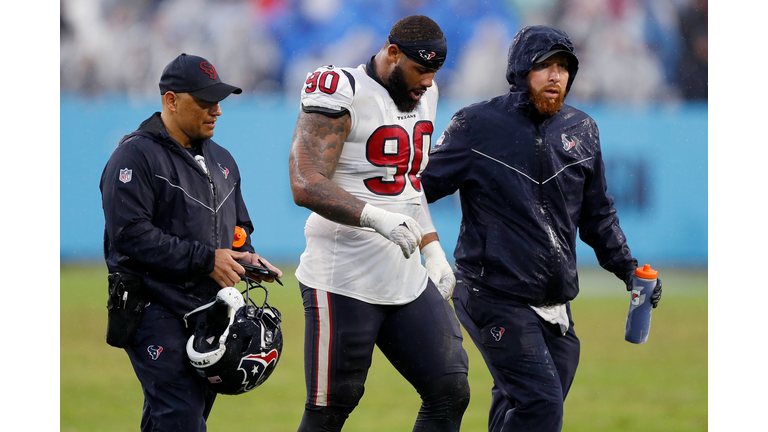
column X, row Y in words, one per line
column 439, row 270
column 399, row 229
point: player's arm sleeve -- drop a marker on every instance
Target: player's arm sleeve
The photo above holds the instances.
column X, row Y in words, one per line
column 128, row 211
column 598, row 222
column 450, row 160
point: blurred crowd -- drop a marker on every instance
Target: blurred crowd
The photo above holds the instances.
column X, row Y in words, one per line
column 630, row 51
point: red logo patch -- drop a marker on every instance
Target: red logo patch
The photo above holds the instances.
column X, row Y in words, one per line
column 209, row 69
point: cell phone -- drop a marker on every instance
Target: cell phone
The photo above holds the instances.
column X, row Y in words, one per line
column 260, row 270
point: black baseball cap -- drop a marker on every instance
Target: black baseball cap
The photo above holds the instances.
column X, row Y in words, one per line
column 196, row 76
column 556, row 49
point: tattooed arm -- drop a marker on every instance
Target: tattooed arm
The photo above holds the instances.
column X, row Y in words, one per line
column 315, row 151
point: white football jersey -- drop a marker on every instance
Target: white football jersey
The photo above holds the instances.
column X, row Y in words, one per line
column 381, row 163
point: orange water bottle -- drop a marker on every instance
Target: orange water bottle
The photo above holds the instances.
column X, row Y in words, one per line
column 239, row 238
column 638, row 323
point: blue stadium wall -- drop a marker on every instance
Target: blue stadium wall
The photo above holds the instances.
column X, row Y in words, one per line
column 655, row 156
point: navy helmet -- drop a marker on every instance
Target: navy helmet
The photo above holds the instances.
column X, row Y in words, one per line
column 235, row 346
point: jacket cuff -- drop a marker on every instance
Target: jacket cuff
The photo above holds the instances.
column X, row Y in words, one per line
column 207, row 264
column 625, row 271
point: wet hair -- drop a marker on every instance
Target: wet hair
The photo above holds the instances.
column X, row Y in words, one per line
column 416, row 28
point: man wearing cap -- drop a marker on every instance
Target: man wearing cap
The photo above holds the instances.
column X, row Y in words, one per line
column 171, row 199
column 530, row 174
column 360, row 144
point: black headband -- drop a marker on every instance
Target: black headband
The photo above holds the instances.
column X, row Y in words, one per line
column 429, row 54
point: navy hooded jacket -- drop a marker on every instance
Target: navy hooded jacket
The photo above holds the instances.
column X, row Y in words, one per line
column 527, row 184
column 164, row 216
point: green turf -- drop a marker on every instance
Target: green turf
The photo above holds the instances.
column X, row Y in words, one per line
column 659, row 386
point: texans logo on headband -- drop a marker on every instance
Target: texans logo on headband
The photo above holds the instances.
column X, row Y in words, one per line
column 429, row 53
column 426, row 55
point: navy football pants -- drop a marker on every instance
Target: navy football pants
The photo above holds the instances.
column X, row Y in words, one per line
column 531, row 362
column 421, row 339
column 175, row 397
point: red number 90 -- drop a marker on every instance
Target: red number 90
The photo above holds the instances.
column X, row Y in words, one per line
column 397, row 155
column 327, row 82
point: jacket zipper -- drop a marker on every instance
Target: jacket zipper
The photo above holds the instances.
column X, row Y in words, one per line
column 207, row 172
column 550, row 234
column 213, row 196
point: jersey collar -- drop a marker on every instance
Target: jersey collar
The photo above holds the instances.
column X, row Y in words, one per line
column 371, row 71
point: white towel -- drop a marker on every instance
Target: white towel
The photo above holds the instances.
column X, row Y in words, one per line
column 556, row 314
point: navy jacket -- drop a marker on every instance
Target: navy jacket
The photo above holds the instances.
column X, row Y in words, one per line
column 527, row 184
column 164, row 216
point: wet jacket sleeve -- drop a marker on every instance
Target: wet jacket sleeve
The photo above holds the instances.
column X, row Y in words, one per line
column 129, row 207
column 449, row 160
column 598, row 223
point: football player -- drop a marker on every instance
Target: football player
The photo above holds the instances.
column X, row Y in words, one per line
column 360, row 144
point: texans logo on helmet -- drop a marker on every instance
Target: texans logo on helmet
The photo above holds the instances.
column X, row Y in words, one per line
column 254, row 366
column 497, row 333
column 426, row 55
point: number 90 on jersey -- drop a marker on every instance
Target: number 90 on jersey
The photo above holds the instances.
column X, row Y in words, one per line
column 390, row 146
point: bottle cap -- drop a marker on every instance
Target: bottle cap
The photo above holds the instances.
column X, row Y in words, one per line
column 646, row 272
column 239, row 239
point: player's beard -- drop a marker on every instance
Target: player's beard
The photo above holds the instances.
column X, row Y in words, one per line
column 544, row 104
column 399, row 91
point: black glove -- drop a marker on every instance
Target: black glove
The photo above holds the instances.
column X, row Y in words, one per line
column 655, row 297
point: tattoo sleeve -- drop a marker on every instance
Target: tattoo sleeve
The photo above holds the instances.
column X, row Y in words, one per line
column 317, row 143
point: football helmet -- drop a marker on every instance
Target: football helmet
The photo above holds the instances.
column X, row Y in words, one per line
column 236, row 344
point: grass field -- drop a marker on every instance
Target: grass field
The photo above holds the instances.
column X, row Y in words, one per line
column 659, row 386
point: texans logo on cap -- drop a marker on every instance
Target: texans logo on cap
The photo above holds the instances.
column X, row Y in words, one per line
column 209, row 69
column 497, row 333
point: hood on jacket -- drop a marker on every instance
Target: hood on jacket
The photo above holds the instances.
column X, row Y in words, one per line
column 154, row 128
column 528, row 45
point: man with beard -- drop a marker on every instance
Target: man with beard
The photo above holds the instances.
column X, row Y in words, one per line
column 361, row 142
column 530, row 173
